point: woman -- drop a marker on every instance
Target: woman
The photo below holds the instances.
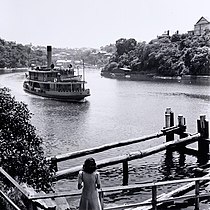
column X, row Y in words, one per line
column 89, row 179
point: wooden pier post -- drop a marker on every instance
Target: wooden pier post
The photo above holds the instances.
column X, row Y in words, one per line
column 125, row 173
column 169, row 122
column 154, row 197
column 101, row 198
column 30, row 205
column 197, row 195
column 182, row 126
column 203, row 143
column 167, row 117
column 54, row 163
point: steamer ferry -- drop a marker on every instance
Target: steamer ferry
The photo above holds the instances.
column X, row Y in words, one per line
column 58, row 84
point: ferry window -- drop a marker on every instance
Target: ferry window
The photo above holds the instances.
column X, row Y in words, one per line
column 46, row 86
column 36, row 85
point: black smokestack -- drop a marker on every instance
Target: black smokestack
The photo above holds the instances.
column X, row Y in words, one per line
column 49, row 56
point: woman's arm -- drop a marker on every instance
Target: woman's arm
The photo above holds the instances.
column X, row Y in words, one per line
column 80, row 180
column 79, row 186
column 98, row 181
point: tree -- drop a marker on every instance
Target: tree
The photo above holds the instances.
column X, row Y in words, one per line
column 21, row 154
column 125, row 45
column 14, row 55
column 168, row 56
column 111, row 66
column 121, row 46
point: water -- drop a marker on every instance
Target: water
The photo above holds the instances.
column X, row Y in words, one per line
column 116, row 110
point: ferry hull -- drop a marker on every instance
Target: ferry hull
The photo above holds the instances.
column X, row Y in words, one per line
column 61, row 96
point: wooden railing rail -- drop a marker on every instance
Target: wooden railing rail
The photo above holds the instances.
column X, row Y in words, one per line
column 130, row 156
column 19, row 188
column 6, row 175
column 81, row 153
column 154, row 201
column 118, row 188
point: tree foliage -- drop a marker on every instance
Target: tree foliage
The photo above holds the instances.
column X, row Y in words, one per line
column 14, row 55
column 21, row 154
column 168, row 56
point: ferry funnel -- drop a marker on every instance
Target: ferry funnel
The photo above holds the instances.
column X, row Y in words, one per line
column 49, row 56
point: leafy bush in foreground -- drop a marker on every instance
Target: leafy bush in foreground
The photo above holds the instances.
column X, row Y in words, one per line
column 21, row 154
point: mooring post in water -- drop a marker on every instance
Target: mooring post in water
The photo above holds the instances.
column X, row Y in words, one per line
column 203, row 143
column 125, row 172
column 169, row 122
column 182, row 126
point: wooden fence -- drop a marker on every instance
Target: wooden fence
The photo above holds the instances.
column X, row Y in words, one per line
column 149, row 204
column 169, row 130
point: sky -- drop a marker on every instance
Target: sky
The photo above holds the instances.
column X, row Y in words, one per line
column 96, row 23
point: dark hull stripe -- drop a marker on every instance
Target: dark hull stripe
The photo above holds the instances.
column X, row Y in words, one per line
column 57, row 97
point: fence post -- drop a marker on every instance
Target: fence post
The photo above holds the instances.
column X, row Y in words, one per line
column 169, row 122
column 54, row 163
column 31, row 205
column 197, row 195
column 154, row 197
column 101, row 198
column 125, row 172
column 203, row 144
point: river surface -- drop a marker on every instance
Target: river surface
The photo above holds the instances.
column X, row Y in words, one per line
column 116, row 110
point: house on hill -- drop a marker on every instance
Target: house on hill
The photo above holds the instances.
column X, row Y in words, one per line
column 200, row 27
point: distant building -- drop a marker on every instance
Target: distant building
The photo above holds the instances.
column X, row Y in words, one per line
column 63, row 63
column 200, row 27
column 166, row 34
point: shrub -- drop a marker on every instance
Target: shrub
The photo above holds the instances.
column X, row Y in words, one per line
column 21, row 153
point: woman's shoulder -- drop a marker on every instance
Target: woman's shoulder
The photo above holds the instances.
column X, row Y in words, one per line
column 96, row 173
column 80, row 173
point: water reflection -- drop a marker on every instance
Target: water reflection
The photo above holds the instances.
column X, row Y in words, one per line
column 174, row 166
column 62, row 123
column 202, row 96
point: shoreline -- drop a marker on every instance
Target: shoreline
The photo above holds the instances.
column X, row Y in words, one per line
column 12, row 70
column 186, row 79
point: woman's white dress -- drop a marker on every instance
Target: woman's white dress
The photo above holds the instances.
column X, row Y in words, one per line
column 90, row 197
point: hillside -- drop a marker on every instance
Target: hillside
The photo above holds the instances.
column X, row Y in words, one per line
column 176, row 55
column 13, row 55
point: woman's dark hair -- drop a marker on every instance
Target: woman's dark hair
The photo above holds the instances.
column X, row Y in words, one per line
column 89, row 165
